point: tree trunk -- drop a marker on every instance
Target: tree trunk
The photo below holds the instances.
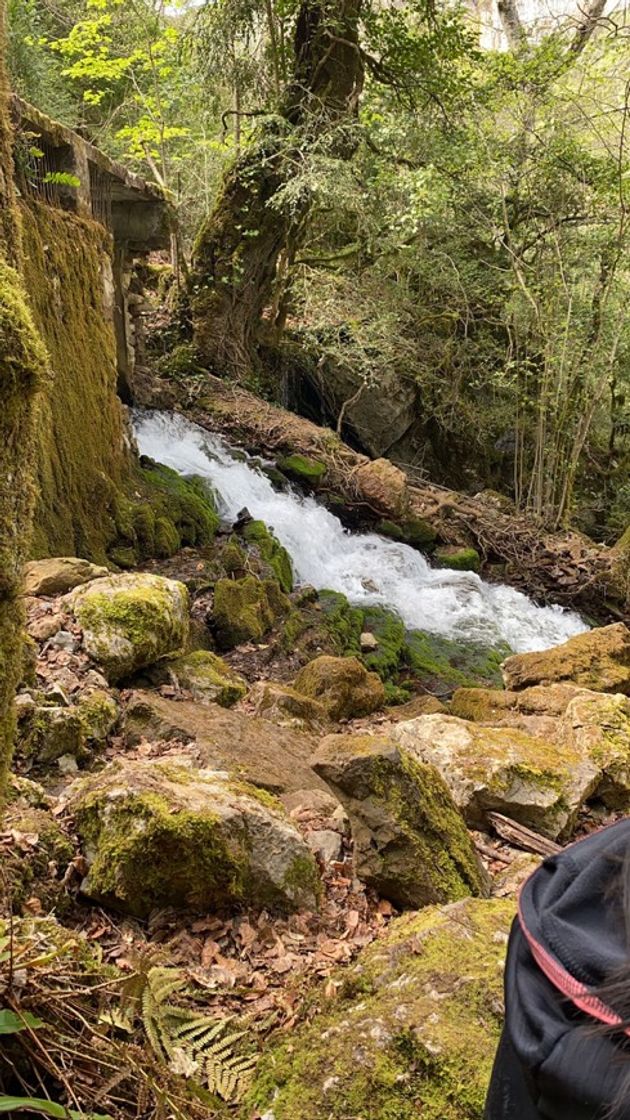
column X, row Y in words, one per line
column 238, row 247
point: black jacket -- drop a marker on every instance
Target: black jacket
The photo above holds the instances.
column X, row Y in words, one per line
column 553, row 1062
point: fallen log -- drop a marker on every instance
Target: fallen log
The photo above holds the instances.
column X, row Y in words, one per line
column 561, row 567
column 521, row 837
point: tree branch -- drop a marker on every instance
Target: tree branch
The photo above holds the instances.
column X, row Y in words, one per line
column 512, row 23
column 591, row 15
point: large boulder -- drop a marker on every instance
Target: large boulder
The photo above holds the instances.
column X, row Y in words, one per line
column 598, row 725
column 412, row 1032
column 246, row 609
column 383, row 486
column 130, row 621
column 160, row 835
column 208, row 677
column 410, row 841
column 343, row 685
column 598, row 659
column 59, row 574
column 493, row 705
column 275, row 758
column 540, row 783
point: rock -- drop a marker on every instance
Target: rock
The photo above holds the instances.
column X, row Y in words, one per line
column 64, row 640
column 274, row 758
column 317, row 801
column 410, row 842
column 43, row 628
column 271, row 553
column 159, row 835
column 419, row 706
column 285, row 705
column 368, row 642
column 33, row 865
column 47, row 733
column 598, row 659
column 412, row 1032
column 599, row 725
column 413, row 530
column 299, row 468
column 503, row 769
column 383, row 487
column 444, row 664
column 508, row 882
column 488, row 705
column 460, row 559
column 130, row 621
column 246, row 609
column 325, row 843
column 59, row 574
column 208, row 677
column 343, row 685
column 99, row 714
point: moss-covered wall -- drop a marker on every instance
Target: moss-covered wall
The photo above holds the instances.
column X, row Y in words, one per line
column 82, row 459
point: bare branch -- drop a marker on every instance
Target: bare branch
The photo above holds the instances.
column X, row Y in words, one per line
column 590, row 17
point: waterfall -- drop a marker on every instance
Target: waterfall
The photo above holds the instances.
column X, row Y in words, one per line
column 367, row 568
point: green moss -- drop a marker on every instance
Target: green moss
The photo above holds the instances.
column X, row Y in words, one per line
column 452, row 664
column 234, row 559
column 343, row 623
column 208, row 677
column 461, row 559
column 184, row 511
column 35, row 870
column 271, row 552
column 309, row 472
column 98, row 712
column 124, row 557
column 167, row 539
column 246, row 609
column 386, row 1048
column 389, row 631
column 414, row 531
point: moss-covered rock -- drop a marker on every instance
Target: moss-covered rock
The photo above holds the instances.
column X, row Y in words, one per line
column 271, row 552
column 99, row 713
column 47, row 733
column 130, row 621
column 412, row 1033
column 299, row 468
column 412, row 530
column 446, row 664
column 59, row 574
column 343, row 685
column 539, row 783
column 40, row 851
column 208, row 677
column 161, row 835
column 460, row 559
column 287, row 706
column 389, row 632
column 493, row 705
column 598, row 659
column 599, row 725
column 410, row 841
column 246, row 609
column 175, row 511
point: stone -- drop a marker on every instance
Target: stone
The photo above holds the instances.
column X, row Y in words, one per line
column 41, row 629
column 410, row 841
column 508, row 882
column 34, row 863
column 444, row 664
column 58, row 575
column 130, row 621
column 274, row 758
column 301, row 469
column 368, row 642
column 343, row 685
column 412, row 1032
column 459, row 559
column 598, row 659
column 419, row 706
column 246, row 609
column 287, row 706
column 64, row 640
column 599, row 725
column 384, row 487
column 99, row 713
column 325, row 843
column 50, row 732
column 540, row 783
column 490, row 705
column 272, row 554
column 208, row 677
column 316, row 801
column 160, row 835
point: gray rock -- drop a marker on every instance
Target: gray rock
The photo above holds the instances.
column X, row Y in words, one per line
column 325, row 843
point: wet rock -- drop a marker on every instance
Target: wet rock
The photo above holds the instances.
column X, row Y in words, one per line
column 413, row 1031
column 208, row 677
column 540, row 783
column 598, row 659
column 460, row 559
column 384, row 487
column 299, row 468
column 274, row 758
column 287, row 706
column 343, row 685
column 130, row 621
column 59, row 574
column 410, row 842
column 161, row 835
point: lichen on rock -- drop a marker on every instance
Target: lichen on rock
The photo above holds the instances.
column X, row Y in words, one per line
column 598, row 659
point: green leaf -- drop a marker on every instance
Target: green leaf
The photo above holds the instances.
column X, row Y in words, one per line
column 11, row 1023
column 62, row 179
column 47, row 1108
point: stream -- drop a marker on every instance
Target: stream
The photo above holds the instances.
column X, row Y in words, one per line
column 367, row 568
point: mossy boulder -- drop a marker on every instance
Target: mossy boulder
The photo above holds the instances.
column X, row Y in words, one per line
column 246, row 609
column 412, row 530
column 130, row 621
column 412, row 1032
column 493, row 705
column 540, row 783
column 271, row 552
column 598, row 659
column 208, row 677
column 176, row 511
column 460, row 559
column 285, row 705
column 99, row 714
column 389, row 633
column 343, row 685
column 410, row 841
column 599, row 725
column 48, row 732
column 160, row 835
column 301, row 469
column 59, row 574
column 444, row 664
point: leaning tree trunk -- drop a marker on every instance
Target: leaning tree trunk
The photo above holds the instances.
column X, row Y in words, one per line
column 23, row 367
column 237, row 251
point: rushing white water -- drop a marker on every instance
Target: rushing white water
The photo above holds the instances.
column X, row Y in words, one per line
column 367, row 568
